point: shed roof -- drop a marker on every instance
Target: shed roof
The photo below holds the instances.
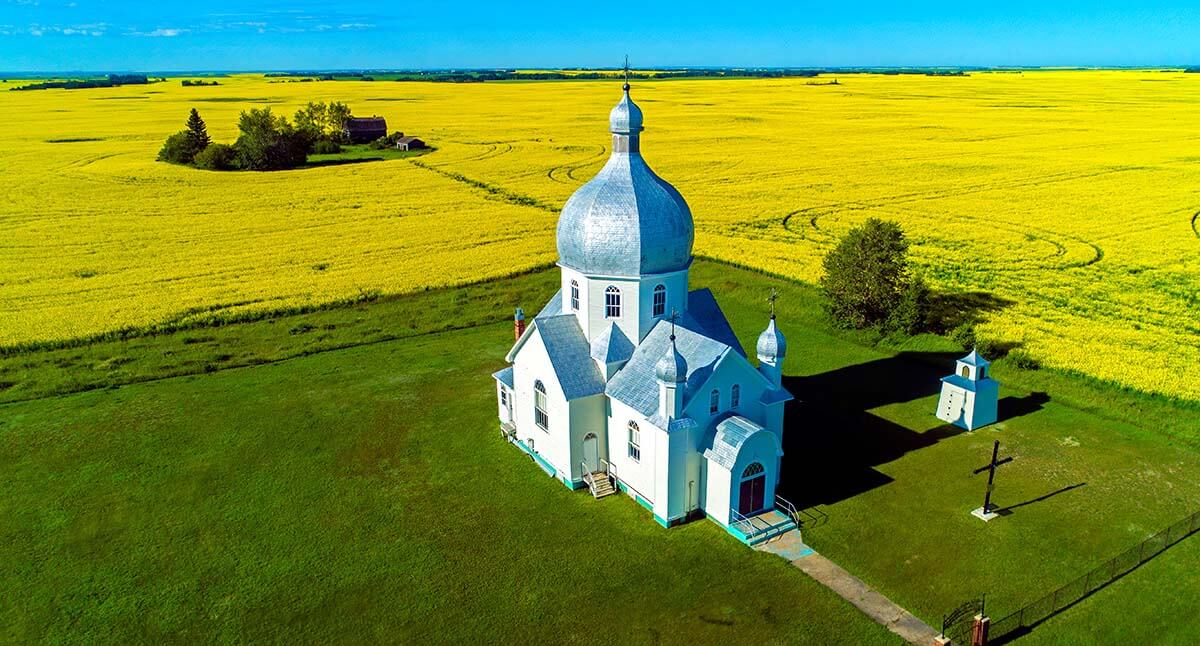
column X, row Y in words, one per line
column 504, row 376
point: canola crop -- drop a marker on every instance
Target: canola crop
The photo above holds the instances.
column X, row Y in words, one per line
column 1064, row 200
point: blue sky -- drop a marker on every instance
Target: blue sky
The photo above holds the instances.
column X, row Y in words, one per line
column 60, row 35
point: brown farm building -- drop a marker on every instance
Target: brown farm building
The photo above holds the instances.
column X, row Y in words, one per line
column 361, row 130
column 409, row 143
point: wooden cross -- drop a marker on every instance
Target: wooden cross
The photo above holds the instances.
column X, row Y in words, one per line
column 991, row 469
column 627, row 71
column 772, row 298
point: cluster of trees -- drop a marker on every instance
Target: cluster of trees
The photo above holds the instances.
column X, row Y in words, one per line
column 191, row 83
column 266, row 141
column 868, row 282
column 112, row 80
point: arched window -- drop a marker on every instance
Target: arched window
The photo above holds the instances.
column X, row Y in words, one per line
column 966, row 372
column 982, row 372
column 714, row 401
column 612, row 302
column 754, row 469
column 635, row 442
column 660, row 300
column 539, row 406
column 574, row 295
column 735, row 396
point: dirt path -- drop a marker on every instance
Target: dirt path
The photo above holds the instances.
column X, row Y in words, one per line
column 851, row 588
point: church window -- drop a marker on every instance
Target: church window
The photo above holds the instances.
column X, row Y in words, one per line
column 635, row 441
column 660, row 300
column 612, row 302
column 574, row 295
column 966, row 373
column 504, row 396
column 982, row 372
column 539, row 406
column 754, row 469
column 714, row 402
column 735, row 396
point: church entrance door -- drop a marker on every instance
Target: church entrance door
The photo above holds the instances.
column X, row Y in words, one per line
column 591, row 452
column 751, row 498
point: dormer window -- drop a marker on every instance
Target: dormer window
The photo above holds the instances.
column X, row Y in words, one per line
column 574, row 296
column 660, row 300
column 612, row 302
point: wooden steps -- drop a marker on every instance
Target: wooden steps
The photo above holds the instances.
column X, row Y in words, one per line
column 602, row 487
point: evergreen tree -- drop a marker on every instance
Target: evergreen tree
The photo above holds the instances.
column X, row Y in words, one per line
column 197, row 132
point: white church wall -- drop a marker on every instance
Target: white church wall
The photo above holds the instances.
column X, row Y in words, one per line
column 636, row 474
column 587, row 416
column 676, row 284
column 671, row 475
column 597, row 321
column 730, row 369
column 716, row 492
column 762, row 448
column 504, row 402
column 552, row 445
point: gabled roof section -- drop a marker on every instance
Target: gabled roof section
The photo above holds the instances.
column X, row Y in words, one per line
column 553, row 307
column 612, row 346
column 636, row 385
column 731, row 434
column 702, row 305
column 570, row 356
column 975, row 359
column 504, row 376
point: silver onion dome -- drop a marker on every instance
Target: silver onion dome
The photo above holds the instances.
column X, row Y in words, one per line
column 672, row 368
column 626, row 221
column 771, row 344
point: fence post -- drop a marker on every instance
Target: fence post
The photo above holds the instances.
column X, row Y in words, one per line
column 979, row 631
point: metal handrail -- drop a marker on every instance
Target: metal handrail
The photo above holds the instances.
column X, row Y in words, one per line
column 587, row 477
column 610, row 470
column 785, row 506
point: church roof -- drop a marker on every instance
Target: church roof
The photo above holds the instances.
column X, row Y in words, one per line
column 961, row 382
column 570, row 356
column 636, row 385
column 612, row 346
column 703, row 306
column 975, row 359
column 626, row 221
column 553, row 307
column 731, row 434
column 504, row 376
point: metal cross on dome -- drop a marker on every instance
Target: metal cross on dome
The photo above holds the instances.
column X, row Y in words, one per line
column 672, row 318
column 772, row 298
column 627, row 71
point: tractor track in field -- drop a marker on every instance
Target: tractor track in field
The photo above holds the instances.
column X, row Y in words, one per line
column 1196, row 223
column 553, row 173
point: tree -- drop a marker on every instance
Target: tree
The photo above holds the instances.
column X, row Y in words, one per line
column 216, row 157
column 911, row 315
column 268, row 142
column 336, row 115
column 197, row 131
column 177, row 149
column 866, row 278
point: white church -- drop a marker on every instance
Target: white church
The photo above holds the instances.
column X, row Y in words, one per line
column 629, row 380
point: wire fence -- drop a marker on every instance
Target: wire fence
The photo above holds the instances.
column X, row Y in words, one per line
column 1026, row 618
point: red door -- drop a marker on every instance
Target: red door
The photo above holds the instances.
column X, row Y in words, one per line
column 750, row 500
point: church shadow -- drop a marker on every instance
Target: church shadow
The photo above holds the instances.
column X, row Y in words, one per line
column 1011, row 407
column 832, row 443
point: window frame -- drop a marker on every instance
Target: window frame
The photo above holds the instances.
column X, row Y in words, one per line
column 735, row 396
column 612, row 302
column 574, row 296
column 714, row 401
column 541, row 412
column 659, row 304
column 634, row 437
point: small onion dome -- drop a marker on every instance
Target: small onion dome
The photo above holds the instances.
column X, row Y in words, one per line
column 771, row 344
column 626, row 116
column 672, row 368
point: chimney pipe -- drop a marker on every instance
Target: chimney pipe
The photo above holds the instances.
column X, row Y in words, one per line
column 518, row 324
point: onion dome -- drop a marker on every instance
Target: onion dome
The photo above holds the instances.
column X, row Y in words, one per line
column 672, row 368
column 771, row 344
column 626, row 221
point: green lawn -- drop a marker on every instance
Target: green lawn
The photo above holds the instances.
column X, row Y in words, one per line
column 357, row 153
column 337, row 476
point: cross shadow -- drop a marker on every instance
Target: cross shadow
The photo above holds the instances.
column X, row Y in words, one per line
column 1004, row 511
column 832, row 443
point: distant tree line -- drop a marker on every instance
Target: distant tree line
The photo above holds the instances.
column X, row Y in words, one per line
column 266, row 141
column 112, row 80
column 191, row 83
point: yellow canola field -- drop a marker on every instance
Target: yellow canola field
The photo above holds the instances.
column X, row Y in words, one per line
column 1066, row 198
